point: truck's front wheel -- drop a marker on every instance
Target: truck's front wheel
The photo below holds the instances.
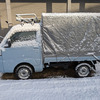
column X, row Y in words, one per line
column 23, row 72
column 83, row 70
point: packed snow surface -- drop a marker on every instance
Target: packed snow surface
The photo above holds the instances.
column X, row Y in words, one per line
column 52, row 89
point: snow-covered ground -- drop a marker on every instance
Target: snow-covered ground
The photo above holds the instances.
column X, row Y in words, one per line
column 51, row 89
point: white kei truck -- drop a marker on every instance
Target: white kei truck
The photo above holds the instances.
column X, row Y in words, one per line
column 59, row 40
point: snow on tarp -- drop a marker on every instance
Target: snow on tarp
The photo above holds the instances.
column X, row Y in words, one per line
column 72, row 34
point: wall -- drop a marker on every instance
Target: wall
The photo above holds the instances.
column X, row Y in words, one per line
column 38, row 8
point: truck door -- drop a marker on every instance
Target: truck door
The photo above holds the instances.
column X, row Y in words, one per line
column 24, row 48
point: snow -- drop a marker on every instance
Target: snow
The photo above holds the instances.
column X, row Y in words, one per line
column 25, row 27
column 75, row 34
column 20, row 28
column 49, row 88
column 52, row 88
column 71, row 14
column 25, row 43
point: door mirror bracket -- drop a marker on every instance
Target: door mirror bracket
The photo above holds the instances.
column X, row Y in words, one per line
column 8, row 43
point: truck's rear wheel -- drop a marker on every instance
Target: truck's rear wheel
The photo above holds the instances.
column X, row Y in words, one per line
column 23, row 72
column 83, row 70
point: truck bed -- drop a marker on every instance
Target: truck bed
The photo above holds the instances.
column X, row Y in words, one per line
column 69, row 59
column 71, row 36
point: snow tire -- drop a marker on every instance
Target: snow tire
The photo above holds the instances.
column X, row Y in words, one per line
column 23, row 72
column 83, row 70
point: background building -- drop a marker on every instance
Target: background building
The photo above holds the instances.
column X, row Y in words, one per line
column 9, row 8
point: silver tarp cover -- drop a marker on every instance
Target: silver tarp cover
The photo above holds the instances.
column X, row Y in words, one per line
column 71, row 34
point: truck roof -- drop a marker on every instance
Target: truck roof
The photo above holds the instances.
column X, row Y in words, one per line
column 25, row 27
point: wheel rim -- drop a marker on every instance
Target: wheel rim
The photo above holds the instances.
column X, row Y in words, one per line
column 23, row 73
column 83, row 71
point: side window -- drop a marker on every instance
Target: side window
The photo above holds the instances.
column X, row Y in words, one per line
column 23, row 36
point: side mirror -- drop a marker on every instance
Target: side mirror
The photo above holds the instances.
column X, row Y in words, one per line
column 8, row 43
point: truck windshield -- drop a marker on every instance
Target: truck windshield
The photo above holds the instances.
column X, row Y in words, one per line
column 23, row 36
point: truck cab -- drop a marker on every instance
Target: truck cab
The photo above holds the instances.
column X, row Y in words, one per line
column 20, row 51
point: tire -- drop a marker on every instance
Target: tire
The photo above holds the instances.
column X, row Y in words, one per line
column 83, row 70
column 23, row 72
